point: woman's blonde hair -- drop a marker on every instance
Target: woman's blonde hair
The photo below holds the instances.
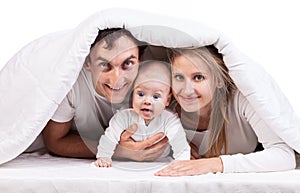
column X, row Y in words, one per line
column 223, row 85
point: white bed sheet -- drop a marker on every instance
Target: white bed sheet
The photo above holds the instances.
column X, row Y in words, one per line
column 41, row 172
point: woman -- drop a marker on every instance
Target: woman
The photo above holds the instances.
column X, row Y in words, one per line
column 225, row 126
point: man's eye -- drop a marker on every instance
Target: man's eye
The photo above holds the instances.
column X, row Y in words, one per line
column 127, row 64
column 156, row 96
column 103, row 65
column 179, row 77
column 199, row 77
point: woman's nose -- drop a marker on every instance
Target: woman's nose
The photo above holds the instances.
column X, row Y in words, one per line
column 189, row 88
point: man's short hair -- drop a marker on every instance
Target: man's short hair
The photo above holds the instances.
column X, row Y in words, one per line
column 110, row 35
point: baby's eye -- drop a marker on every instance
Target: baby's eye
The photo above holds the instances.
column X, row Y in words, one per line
column 199, row 77
column 140, row 94
column 156, row 96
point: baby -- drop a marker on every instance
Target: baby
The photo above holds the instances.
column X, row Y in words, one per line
column 151, row 94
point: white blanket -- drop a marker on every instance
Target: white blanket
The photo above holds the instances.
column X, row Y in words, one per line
column 44, row 173
column 37, row 78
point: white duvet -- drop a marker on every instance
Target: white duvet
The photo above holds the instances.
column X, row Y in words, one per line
column 37, row 78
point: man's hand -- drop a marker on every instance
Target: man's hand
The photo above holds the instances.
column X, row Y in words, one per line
column 147, row 150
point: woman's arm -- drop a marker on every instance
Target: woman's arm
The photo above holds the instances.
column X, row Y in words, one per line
column 276, row 156
column 262, row 92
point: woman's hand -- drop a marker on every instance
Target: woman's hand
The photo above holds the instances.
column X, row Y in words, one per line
column 147, row 150
column 192, row 167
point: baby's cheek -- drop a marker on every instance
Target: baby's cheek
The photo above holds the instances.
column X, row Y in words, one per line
column 159, row 107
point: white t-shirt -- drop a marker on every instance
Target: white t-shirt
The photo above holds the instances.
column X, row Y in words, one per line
column 167, row 122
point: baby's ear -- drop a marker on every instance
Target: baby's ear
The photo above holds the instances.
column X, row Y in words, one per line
column 169, row 99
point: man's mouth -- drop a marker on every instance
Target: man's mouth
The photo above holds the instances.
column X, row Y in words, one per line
column 115, row 89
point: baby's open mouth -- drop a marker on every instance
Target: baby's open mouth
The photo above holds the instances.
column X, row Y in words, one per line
column 146, row 110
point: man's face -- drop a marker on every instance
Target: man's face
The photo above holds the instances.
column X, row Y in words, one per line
column 114, row 70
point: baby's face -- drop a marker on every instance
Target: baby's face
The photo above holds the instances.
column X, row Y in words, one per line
column 150, row 99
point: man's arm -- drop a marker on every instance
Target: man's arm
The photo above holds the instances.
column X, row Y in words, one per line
column 60, row 141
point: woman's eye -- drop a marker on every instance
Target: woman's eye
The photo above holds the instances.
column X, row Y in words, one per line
column 199, row 77
column 178, row 77
column 156, row 96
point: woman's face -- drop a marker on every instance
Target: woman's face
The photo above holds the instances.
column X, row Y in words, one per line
column 192, row 83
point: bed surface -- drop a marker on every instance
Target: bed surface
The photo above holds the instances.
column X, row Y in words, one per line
column 41, row 172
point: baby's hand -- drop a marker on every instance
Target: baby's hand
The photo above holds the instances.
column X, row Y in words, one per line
column 103, row 162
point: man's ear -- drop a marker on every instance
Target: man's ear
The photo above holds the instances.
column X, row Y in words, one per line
column 87, row 64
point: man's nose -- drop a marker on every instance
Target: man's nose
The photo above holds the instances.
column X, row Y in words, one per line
column 115, row 75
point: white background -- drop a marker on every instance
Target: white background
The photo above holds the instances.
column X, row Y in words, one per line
column 266, row 30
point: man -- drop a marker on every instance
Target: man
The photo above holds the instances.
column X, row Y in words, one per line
column 102, row 87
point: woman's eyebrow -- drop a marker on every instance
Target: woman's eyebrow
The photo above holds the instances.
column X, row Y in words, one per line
column 199, row 73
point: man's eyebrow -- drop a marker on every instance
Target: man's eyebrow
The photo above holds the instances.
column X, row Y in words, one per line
column 128, row 58
column 100, row 58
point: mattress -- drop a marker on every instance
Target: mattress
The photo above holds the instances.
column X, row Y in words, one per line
column 41, row 172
